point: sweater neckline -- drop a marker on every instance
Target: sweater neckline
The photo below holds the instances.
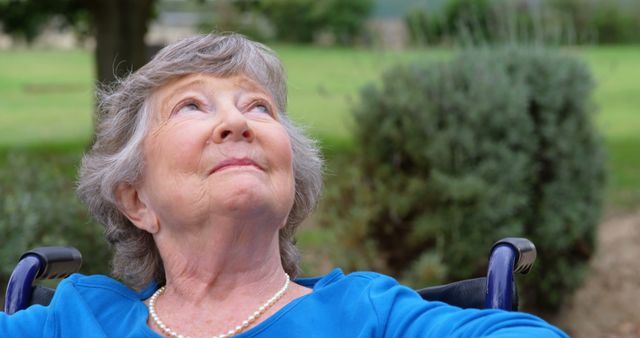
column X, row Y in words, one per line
column 315, row 283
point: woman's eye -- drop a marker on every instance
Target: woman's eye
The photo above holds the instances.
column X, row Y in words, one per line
column 260, row 108
column 192, row 106
column 189, row 107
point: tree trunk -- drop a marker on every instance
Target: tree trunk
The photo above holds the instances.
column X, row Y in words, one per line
column 120, row 27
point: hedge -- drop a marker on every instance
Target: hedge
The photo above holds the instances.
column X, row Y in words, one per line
column 455, row 155
column 38, row 207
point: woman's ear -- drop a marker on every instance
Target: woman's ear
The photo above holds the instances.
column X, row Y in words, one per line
column 135, row 208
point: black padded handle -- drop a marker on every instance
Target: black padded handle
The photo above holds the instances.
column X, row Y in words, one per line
column 467, row 294
column 526, row 253
column 58, row 261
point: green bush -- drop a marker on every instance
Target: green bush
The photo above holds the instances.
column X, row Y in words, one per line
column 426, row 28
column 38, row 207
column 239, row 17
column 294, row 20
column 456, row 155
column 302, row 20
column 483, row 21
column 616, row 21
column 557, row 21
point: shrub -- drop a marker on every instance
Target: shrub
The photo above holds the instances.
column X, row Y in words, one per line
column 345, row 19
column 556, row 21
column 469, row 14
column 426, row 28
column 456, row 155
column 294, row 20
column 616, row 21
column 478, row 20
column 302, row 20
column 239, row 17
column 38, row 207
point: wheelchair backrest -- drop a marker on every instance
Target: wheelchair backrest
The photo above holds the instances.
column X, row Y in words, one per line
column 497, row 290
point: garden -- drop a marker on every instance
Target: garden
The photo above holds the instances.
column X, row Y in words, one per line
column 476, row 176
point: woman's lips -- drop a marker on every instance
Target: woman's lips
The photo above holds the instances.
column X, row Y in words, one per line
column 234, row 162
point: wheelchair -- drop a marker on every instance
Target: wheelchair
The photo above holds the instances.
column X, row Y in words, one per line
column 495, row 291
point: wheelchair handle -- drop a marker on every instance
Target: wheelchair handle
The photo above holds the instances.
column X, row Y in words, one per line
column 525, row 253
column 507, row 256
column 39, row 263
column 56, row 261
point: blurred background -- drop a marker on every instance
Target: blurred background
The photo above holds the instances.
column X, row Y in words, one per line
column 446, row 125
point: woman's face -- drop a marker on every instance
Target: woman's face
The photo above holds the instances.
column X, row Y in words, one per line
column 216, row 148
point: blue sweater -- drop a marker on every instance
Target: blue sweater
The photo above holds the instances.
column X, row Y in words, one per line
column 362, row 304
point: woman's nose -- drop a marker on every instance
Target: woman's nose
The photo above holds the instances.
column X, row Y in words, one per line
column 232, row 127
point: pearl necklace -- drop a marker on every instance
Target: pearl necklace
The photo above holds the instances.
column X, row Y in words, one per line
column 230, row 333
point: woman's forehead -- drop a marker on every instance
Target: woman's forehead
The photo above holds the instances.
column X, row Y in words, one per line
column 199, row 80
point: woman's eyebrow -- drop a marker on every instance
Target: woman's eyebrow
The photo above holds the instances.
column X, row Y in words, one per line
column 191, row 84
column 251, row 86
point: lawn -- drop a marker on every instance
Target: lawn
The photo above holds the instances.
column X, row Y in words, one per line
column 617, row 71
column 46, row 99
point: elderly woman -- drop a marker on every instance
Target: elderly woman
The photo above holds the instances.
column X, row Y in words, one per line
column 201, row 180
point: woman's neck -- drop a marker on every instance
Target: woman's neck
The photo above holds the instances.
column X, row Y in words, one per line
column 219, row 274
column 215, row 260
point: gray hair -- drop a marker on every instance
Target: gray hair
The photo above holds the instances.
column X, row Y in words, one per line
column 123, row 119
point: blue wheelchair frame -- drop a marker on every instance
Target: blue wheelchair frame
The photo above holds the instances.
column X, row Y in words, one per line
column 39, row 264
column 496, row 291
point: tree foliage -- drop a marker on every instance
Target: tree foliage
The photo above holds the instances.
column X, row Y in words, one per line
column 303, row 20
column 26, row 19
column 119, row 27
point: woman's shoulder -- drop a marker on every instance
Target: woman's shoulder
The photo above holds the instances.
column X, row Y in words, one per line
column 380, row 302
column 361, row 289
column 97, row 303
column 337, row 276
column 92, row 286
column 340, row 304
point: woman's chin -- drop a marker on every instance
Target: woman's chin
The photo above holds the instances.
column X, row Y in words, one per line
column 249, row 191
column 243, row 194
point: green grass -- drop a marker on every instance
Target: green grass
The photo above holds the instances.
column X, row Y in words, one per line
column 46, row 98
column 324, row 83
column 617, row 72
